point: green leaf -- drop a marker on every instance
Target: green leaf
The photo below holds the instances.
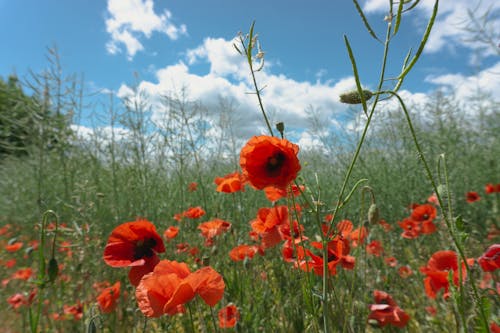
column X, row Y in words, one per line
column 365, row 21
column 398, row 17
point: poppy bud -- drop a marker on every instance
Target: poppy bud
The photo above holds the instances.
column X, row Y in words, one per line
column 280, row 127
column 353, row 97
column 442, row 190
column 92, row 328
column 53, row 269
column 373, row 214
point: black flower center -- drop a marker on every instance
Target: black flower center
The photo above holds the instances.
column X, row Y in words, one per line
column 274, row 163
column 144, row 248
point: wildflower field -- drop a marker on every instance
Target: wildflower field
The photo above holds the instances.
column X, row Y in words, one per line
column 392, row 227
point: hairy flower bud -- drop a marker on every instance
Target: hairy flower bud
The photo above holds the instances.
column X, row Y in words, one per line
column 353, row 97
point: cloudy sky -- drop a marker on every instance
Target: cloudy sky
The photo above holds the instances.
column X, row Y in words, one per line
column 164, row 45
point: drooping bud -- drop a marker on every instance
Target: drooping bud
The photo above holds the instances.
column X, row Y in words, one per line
column 373, row 214
column 53, row 269
column 353, row 97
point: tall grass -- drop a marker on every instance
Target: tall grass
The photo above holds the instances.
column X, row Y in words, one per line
column 140, row 166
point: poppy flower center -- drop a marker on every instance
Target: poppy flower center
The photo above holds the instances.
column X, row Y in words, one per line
column 425, row 216
column 144, row 248
column 275, row 162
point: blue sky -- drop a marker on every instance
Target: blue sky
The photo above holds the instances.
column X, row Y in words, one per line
column 174, row 43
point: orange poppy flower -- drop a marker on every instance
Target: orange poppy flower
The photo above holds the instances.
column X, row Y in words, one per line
column 228, row 316
column 194, row 212
column 472, row 196
column 213, row 228
column 14, row 247
column 437, row 270
column 490, row 260
column 164, row 290
column 171, row 285
column 208, row 284
column 134, row 244
column 230, row 183
column 267, row 225
column 269, row 161
column 274, row 193
column 108, row 298
column 171, row 232
column 338, row 253
column 241, row 252
column 386, row 311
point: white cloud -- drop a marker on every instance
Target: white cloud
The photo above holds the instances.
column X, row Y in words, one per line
column 131, row 19
column 228, row 76
column 452, row 19
column 466, row 87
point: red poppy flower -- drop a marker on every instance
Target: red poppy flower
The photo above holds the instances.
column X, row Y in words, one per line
column 134, row 244
column 108, row 298
column 14, row 247
column 171, row 232
column 75, row 310
column 433, row 199
column 386, row 226
column 22, row 274
column 386, row 311
column 241, row 252
column 375, row 248
column 213, row 228
column 269, row 161
column 489, row 188
column 437, row 270
column 194, row 212
column 230, row 183
column 5, row 229
column 411, row 228
column 490, row 260
column 171, row 285
column 192, row 187
column 405, row 271
column 391, row 261
column 293, row 253
column 494, row 327
column 425, row 212
column 471, row 197
column 228, row 316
